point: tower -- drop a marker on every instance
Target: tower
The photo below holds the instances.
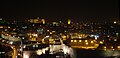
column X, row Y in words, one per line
column 69, row 21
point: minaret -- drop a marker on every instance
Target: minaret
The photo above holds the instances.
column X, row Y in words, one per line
column 43, row 21
column 69, row 21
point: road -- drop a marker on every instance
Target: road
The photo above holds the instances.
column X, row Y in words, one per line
column 15, row 52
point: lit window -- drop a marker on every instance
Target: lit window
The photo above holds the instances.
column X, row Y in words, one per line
column 101, row 42
column 85, row 40
column 111, row 46
column 86, row 43
column 71, row 40
column 75, row 40
column 115, row 39
column 91, row 41
column 115, row 22
column 80, row 41
column 118, row 46
column 105, row 47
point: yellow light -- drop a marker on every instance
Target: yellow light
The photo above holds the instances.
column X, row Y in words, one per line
column 54, row 22
column 7, row 34
column 80, row 37
column 105, row 47
column 85, row 40
column 51, row 33
column 91, row 41
column 43, row 20
column 75, row 40
column 43, row 41
column 80, row 41
column 71, row 40
column 39, row 52
column 86, row 43
column 113, row 49
column 118, row 46
column 36, row 35
column 101, row 42
column 64, row 36
column 30, row 36
column 69, row 21
column 50, row 39
column 1, row 26
column 33, row 39
column 111, row 46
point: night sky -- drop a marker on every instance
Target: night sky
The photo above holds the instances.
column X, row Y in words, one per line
column 59, row 9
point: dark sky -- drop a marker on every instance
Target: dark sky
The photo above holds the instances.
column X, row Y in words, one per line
column 60, row 9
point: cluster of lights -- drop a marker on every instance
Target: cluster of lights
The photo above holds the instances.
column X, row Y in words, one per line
column 35, row 35
column 4, row 27
column 81, row 41
column 105, row 48
column 86, row 41
column 96, row 36
column 35, row 45
column 2, row 52
column 42, row 51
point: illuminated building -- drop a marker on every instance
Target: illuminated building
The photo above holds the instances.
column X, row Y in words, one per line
column 38, row 20
column 40, row 31
column 43, row 20
column 69, row 21
column 55, row 23
column 32, row 36
column 84, row 43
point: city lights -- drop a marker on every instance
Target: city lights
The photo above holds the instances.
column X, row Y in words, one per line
column 71, row 40
column 91, row 41
column 75, row 40
column 115, row 22
column 101, row 42
column 118, row 47
column 105, row 47
column 80, row 41
column 26, row 54
column 86, row 41
column 38, row 37
column 11, row 42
